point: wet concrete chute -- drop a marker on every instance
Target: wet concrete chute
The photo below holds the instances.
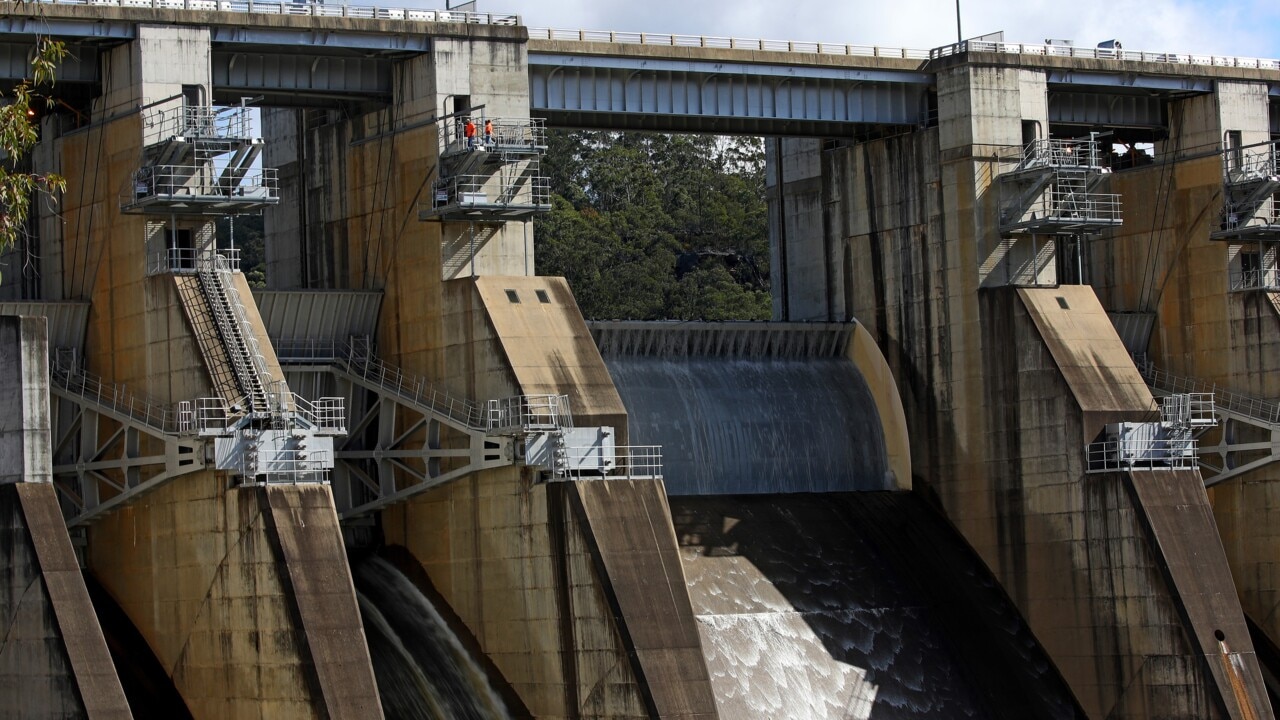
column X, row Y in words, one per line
column 1005, row 449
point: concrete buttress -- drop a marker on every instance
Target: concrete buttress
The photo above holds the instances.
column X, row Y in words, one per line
column 54, row 661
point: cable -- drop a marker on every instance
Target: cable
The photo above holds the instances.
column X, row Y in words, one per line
column 377, row 172
column 386, row 190
column 1155, row 242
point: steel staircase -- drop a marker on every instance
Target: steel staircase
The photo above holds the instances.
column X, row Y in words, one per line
column 1251, row 182
column 1052, row 191
column 232, row 325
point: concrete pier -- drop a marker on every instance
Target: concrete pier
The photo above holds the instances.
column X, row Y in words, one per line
column 54, row 661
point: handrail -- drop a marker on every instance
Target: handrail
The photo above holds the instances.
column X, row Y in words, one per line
column 414, row 390
column 317, row 9
column 187, row 260
column 482, row 191
column 1245, row 280
column 630, row 462
column 142, row 410
column 1258, row 409
column 724, row 43
column 194, row 181
column 1102, row 54
column 201, row 121
column 1178, row 453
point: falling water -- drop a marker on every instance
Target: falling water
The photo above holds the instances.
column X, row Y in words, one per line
column 423, row 670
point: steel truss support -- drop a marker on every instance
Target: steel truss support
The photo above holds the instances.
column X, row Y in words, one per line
column 397, row 448
column 1237, row 445
column 103, row 459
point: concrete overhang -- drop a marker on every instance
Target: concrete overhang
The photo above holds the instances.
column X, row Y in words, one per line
column 718, row 67
column 1162, row 84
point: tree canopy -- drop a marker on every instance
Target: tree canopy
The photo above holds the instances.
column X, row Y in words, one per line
column 649, row 226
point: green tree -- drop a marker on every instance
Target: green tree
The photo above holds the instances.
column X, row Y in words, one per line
column 19, row 133
column 249, row 240
column 651, row 226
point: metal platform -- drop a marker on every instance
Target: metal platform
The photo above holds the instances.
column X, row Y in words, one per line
column 195, row 190
column 1051, row 191
column 484, row 198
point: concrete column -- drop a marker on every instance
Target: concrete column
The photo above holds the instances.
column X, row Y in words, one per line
column 54, row 661
column 1203, row 121
column 24, row 400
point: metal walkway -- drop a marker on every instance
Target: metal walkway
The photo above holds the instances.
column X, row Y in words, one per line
column 413, row 436
column 1248, row 436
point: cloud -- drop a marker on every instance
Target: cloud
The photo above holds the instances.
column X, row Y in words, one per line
column 1240, row 28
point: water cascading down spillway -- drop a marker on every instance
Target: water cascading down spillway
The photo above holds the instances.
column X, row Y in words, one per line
column 822, row 587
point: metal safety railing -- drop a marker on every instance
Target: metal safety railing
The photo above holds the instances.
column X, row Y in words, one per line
column 509, row 135
column 195, row 183
column 359, row 363
column 1141, row 454
column 1060, row 154
column 478, row 192
column 415, row 390
column 286, row 466
column 1246, row 280
column 117, row 399
column 1101, row 54
column 1188, row 410
column 1252, row 163
column 1264, row 411
column 192, row 122
column 326, row 415
column 316, row 9
column 178, row 261
column 1243, row 215
column 1068, row 209
column 529, row 413
column 631, row 462
column 724, row 43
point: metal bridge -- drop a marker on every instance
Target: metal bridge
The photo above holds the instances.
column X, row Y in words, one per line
column 300, row 54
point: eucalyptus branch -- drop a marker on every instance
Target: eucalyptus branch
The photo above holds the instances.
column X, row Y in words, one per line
column 19, row 133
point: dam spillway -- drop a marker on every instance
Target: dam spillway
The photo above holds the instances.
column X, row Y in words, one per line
column 768, row 411
column 818, row 591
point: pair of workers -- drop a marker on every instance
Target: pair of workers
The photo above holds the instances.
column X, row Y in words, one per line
column 469, row 131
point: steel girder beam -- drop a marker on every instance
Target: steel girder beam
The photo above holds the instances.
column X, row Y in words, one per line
column 721, row 97
column 79, row 66
column 1163, row 84
column 33, row 25
column 313, row 75
column 1113, row 110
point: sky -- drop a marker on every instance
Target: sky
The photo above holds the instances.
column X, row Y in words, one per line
column 1241, row 28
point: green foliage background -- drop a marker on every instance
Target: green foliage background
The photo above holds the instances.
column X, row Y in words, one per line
column 647, row 226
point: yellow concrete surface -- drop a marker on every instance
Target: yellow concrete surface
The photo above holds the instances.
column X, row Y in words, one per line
column 884, row 390
column 192, row 565
column 548, row 347
column 1089, row 354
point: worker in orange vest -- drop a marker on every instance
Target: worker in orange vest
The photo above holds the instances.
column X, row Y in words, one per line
column 488, row 133
column 469, row 131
